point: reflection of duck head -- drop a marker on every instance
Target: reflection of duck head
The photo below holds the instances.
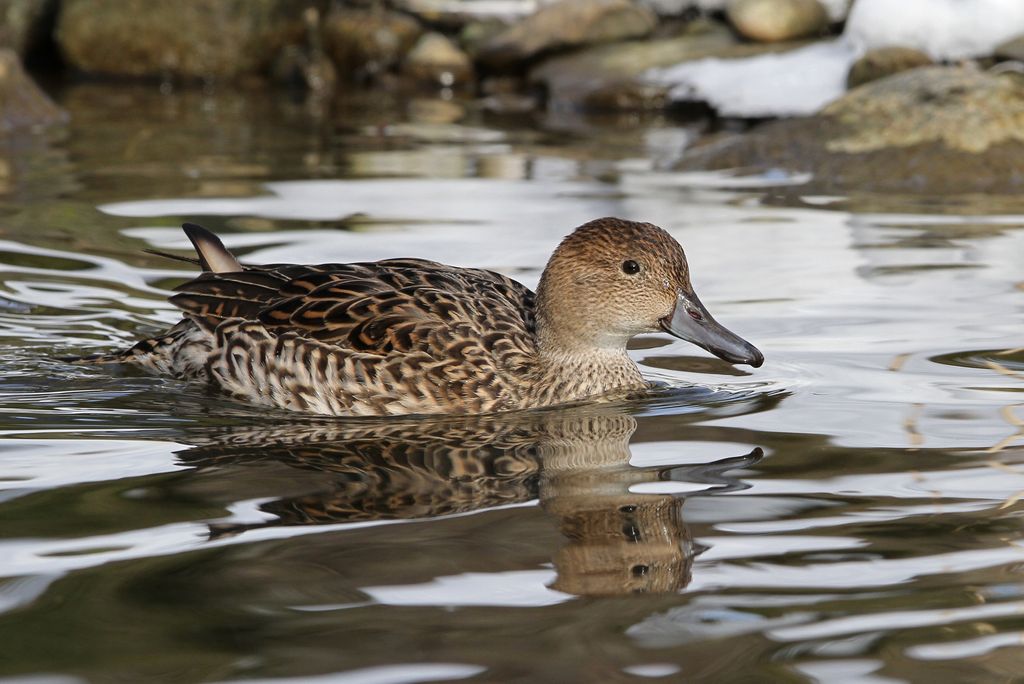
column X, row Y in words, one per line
column 576, row 462
column 619, row 541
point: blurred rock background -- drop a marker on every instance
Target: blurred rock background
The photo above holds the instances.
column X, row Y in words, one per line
column 917, row 94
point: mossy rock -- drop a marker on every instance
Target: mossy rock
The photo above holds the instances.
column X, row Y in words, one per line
column 366, row 42
column 564, row 25
column 883, row 62
column 203, row 39
column 934, row 130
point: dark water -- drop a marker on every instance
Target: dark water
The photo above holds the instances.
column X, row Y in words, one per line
column 850, row 512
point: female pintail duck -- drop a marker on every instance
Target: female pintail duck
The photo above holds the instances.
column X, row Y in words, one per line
column 408, row 336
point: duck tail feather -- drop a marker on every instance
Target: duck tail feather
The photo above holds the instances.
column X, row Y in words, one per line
column 213, row 255
column 176, row 257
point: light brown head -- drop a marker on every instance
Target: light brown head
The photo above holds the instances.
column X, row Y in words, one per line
column 612, row 279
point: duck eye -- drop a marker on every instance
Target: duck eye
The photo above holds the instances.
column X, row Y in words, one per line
column 630, row 267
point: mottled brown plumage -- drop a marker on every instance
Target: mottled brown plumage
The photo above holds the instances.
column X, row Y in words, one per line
column 408, row 336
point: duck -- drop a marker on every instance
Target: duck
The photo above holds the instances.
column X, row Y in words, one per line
column 407, row 336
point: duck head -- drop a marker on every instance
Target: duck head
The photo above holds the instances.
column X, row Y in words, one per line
column 612, row 279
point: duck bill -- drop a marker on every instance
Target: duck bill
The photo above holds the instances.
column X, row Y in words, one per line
column 690, row 321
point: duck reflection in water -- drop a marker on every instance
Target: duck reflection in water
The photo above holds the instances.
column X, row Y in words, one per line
column 575, row 462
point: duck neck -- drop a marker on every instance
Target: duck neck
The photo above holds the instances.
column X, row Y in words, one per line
column 574, row 366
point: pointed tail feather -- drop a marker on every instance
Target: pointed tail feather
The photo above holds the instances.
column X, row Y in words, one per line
column 175, row 257
column 213, row 255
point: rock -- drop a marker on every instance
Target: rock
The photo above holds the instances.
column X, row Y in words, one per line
column 567, row 24
column 476, row 34
column 940, row 130
column 836, row 9
column 675, row 8
column 437, row 60
column 620, row 76
column 884, row 62
column 206, row 39
column 22, row 104
column 368, row 41
column 770, row 21
column 23, row 23
column 307, row 66
column 963, row 108
column 1011, row 49
column 457, row 13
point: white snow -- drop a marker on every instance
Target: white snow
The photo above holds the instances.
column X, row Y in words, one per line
column 795, row 83
column 944, row 29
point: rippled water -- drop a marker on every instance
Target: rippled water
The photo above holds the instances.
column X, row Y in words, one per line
column 849, row 512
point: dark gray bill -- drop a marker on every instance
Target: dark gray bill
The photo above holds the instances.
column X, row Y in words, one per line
column 690, row 321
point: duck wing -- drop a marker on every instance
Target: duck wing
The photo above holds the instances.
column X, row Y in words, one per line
column 382, row 308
